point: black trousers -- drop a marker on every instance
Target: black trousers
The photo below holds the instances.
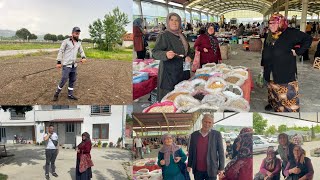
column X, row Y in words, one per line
column 51, row 155
column 141, row 54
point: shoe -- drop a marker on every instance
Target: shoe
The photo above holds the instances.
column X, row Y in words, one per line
column 268, row 108
column 54, row 174
column 47, row 176
column 72, row 97
column 55, row 97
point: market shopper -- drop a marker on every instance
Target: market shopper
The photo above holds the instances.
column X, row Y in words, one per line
column 171, row 159
column 83, row 154
column 285, row 150
column 139, row 42
column 206, row 154
column 52, row 149
column 208, row 45
column 299, row 167
column 66, row 60
column 270, row 167
column 173, row 50
column 279, row 63
column 240, row 167
column 138, row 145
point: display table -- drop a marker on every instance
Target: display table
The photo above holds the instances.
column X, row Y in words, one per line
column 145, row 87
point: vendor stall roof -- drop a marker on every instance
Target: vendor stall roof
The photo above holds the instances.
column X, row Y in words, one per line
column 163, row 121
column 262, row 6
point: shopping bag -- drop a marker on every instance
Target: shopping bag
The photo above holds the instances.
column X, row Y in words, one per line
column 196, row 61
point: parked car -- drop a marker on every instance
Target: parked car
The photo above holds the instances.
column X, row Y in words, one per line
column 260, row 146
column 229, row 136
column 262, row 138
column 273, row 139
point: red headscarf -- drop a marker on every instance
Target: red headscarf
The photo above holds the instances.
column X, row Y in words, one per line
column 282, row 21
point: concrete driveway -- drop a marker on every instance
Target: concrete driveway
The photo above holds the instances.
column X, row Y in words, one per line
column 29, row 161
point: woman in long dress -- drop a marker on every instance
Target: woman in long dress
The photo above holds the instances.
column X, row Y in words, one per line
column 84, row 148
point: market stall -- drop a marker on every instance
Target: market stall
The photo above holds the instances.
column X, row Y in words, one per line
column 218, row 87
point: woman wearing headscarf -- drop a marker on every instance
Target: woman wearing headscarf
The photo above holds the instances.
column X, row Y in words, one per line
column 270, row 167
column 285, row 149
column 208, row 45
column 83, row 148
column 299, row 167
column 172, row 159
column 240, row 167
column 139, row 42
column 280, row 66
column 170, row 48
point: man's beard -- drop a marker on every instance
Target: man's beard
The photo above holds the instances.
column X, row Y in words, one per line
column 75, row 38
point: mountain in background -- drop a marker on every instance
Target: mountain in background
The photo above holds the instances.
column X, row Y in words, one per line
column 7, row 33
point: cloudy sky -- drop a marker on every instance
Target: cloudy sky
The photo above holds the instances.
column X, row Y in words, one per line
column 58, row 16
column 290, row 122
column 241, row 119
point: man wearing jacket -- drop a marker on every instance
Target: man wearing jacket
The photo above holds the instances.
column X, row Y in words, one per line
column 206, row 153
column 66, row 60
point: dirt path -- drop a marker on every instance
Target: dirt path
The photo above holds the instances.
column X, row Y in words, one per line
column 99, row 82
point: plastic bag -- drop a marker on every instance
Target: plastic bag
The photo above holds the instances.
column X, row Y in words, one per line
column 198, row 84
column 209, row 65
column 214, row 99
column 237, row 105
column 171, row 96
column 241, row 72
column 139, row 77
column 233, row 91
column 199, row 94
column 260, row 80
column 205, row 70
column 234, row 79
column 185, row 102
column 184, row 85
column 215, row 85
column 196, row 61
column 163, row 107
column 202, row 76
column 204, row 108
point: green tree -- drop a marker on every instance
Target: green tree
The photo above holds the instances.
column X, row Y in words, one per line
column 50, row 37
column 33, row 36
column 66, row 36
column 313, row 135
column 259, row 124
column 23, row 33
column 17, row 109
column 87, row 40
column 54, row 38
column 317, row 128
column 282, row 128
column 271, row 130
column 222, row 129
column 60, row 37
column 109, row 31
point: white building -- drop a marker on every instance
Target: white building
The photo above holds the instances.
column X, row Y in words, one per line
column 104, row 123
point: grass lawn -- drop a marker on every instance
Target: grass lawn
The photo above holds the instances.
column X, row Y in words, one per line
column 3, row 177
column 24, row 46
column 124, row 55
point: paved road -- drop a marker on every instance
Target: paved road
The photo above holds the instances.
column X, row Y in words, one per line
column 29, row 160
column 15, row 52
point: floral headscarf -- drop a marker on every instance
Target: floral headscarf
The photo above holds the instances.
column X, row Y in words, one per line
column 244, row 142
column 283, row 25
column 270, row 162
column 168, row 150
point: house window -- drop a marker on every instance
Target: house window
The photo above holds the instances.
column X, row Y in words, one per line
column 3, row 133
column 101, row 110
column 17, row 116
column 70, row 127
column 100, row 131
column 60, row 107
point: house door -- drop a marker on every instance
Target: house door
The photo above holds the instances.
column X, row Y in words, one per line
column 70, row 133
column 3, row 136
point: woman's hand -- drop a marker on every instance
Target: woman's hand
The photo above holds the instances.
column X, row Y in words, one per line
column 294, row 170
column 205, row 50
column 188, row 59
column 221, row 176
column 269, row 173
column 189, row 169
column 170, row 54
column 177, row 159
column 294, row 52
column 162, row 162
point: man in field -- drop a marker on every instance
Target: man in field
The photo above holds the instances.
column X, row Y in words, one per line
column 66, row 60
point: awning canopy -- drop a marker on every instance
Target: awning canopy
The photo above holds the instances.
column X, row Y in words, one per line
column 145, row 122
column 219, row 7
column 67, row 120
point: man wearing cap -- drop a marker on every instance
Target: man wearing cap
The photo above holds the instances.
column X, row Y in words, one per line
column 66, row 60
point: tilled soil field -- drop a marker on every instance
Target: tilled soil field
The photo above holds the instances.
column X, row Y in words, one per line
column 98, row 82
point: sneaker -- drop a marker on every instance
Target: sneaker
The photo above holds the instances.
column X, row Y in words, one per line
column 268, row 108
column 54, row 174
column 55, row 97
column 72, row 97
column 47, row 176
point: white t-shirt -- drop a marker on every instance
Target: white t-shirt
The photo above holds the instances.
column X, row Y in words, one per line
column 50, row 144
column 138, row 142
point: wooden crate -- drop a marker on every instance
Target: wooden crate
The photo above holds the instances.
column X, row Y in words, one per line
column 316, row 63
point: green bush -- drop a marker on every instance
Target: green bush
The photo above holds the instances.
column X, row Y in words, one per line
column 105, row 145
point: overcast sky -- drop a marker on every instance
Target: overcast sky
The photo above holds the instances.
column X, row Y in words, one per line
column 278, row 120
column 241, row 119
column 58, row 16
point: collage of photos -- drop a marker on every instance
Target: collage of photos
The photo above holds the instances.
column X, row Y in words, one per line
column 160, row 90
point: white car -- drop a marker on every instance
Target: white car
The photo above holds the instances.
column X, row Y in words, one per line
column 260, row 146
column 229, row 136
column 273, row 139
column 262, row 138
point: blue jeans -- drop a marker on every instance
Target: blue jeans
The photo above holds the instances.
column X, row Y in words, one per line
column 203, row 175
